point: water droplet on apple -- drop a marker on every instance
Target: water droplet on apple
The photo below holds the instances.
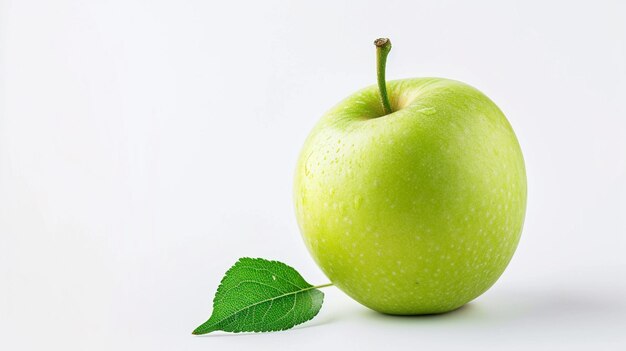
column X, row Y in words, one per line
column 302, row 199
column 428, row 111
column 358, row 201
column 307, row 170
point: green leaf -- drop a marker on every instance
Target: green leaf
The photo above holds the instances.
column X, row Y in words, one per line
column 257, row 295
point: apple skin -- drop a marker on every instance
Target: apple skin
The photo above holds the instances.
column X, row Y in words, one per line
column 418, row 211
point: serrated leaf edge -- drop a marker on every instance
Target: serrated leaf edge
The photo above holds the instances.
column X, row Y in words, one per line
column 206, row 328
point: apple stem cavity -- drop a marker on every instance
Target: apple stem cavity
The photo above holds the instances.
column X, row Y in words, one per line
column 383, row 46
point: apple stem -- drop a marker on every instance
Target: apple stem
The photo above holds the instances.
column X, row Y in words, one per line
column 383, row 46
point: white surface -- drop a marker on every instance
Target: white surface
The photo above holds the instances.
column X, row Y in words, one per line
column 145, row 146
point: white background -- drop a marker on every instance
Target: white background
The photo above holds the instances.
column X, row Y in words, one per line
column 146, row 145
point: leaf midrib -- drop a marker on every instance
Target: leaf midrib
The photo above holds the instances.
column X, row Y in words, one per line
column 256, row 304
column 278, row 276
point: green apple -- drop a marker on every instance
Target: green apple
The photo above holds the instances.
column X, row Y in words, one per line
column 411, row 195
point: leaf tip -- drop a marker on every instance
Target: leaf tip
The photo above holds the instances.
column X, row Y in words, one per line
column 199, row 330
